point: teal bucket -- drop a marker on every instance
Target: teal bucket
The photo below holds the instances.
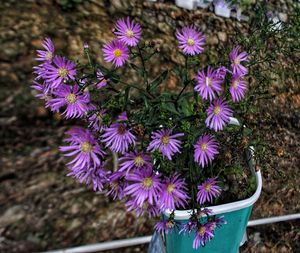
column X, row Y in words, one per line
column 228, row 237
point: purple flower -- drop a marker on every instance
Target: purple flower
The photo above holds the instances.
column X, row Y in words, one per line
column 140, row 210
column 191, row 41
column 134, row 160
column 42, row 89
column 238, row 88
column 118, row 138
column 173, row 193
column 218, row 114
column 94, row 176
column 221, row 72
column 165, row 142
column 188, row 227
column 208, row 84
column 202, row 236
column 96, row 119
column 48, row 53
column 236, row 58
column 40, row 71
column 122, row 116
column 116, row 52
column 216, row 223
column 205, row 150
column 77, row 102
column 102, row 82
column 128, row 31
column 145, row 186
column 116, row 185
column 208, row 190
column 84, row 146
column 61, row 69
column 165, row 226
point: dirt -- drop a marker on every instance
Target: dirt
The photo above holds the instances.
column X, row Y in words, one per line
column 41, row 208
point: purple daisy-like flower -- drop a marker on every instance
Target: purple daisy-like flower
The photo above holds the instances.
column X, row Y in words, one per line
column 96, row 120
column 140, row 210
column 173, row 193
column 208, row 190
column 48, row 53
column 128, row 31
column 102, row 82
column 218, row 114
column 134, row 160
column 40, row 71
column 77, row 102
column 216, row 223
column 188, row 227
column 42, row 89
column 116, row 52
column 237, row 88
column 205, row 150
column 221, row 72
column 117, row 185
column 208, row 84
column 165, row 142
column 61, row 69
column 94, row 176
column 236, row 58
column 145, row 186
column 84, row 146
column 165, row 226
column 118, row 138
column 191, row 41
column 203, row 234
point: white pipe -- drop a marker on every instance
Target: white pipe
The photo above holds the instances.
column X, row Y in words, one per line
column 146, row 239
column 105, row 245
column 252, row 223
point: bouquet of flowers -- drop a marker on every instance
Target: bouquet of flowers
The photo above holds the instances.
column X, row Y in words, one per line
column 173, row 149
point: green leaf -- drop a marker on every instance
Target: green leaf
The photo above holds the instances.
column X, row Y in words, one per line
column 170, row 107
column 137, row 69
column 158, row 80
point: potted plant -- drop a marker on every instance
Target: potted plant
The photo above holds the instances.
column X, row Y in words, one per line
column 181, row 154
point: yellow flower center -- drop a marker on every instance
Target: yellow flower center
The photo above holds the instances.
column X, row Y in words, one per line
column 207, row 187
column 86, row 147
column 165, row 140
column 139, row 161
column 117, row 53
column 129, row 33
column 49, row 55
column 208, row 81
column 201, row 230
column 190, row 42
column 71, row 98
column 170, row 188
column 121, row 130
column 63, row 72
column 217, row 110
column 203, row 146
column 147, row 182
column 235, row 83
column 236, row 61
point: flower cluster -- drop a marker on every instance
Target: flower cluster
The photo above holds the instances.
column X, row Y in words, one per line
column 148, row 136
